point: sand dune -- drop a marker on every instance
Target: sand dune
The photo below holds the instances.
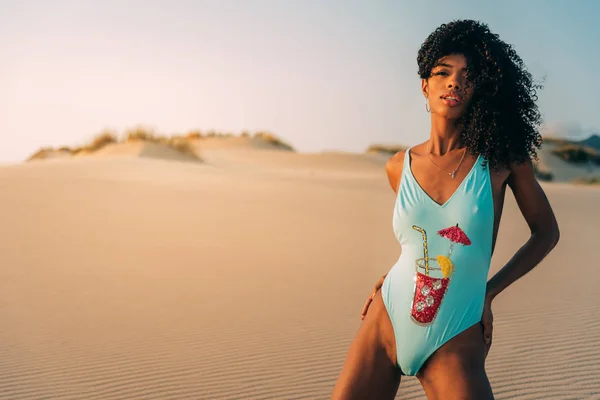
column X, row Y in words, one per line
column 262, row 150
column 237, row 142
column 339, row 165
column 243, row 278
column 143, row 149
column 563, row 171
column 49, row 154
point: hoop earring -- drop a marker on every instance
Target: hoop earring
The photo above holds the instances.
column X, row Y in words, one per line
column 427, row 108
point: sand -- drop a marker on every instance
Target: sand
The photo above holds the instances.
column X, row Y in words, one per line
column 144, row 150
column 243, row 277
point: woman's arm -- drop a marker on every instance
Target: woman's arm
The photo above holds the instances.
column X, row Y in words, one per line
column 393, row 170
column 372, row 297
column 539, row 216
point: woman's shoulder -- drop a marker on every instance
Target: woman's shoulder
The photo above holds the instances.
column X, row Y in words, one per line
column 393, row 168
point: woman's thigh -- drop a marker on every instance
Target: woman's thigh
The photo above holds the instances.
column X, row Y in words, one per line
column 370, row 370
column 457, row 369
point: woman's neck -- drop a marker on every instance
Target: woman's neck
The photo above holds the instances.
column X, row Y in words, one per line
column 444, row 136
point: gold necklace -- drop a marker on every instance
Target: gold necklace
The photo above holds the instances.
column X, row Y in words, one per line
column 453, row 173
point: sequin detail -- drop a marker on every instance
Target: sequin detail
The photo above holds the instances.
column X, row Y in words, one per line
column 446, row 265
column 429, row 301
column 455, row 235
column 426, row 307
column 430, row 291
column 420, row 306
column 425, row 251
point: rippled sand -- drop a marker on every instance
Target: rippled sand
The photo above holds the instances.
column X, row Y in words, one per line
column 243, row 277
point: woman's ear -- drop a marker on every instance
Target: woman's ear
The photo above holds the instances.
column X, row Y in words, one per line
column 425, row 87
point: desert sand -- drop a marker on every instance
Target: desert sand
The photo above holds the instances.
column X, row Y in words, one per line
column 138, row 275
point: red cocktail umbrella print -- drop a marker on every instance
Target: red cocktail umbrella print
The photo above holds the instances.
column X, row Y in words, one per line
column 455, row 235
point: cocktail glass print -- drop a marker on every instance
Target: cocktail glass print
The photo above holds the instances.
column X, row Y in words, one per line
column 433, row 276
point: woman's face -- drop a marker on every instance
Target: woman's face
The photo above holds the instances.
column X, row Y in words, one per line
column 447, row 90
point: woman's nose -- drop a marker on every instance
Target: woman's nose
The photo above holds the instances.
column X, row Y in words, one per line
column 453, row 84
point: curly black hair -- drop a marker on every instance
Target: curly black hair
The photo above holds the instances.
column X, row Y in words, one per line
column 502, row 120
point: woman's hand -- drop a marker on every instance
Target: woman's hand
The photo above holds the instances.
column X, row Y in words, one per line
column 487, row 320
column 371, row 297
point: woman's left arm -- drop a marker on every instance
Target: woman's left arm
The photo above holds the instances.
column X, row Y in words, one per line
column 544, row 236
column 540, row 218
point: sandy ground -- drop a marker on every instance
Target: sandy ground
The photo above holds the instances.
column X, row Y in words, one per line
column 243, row 278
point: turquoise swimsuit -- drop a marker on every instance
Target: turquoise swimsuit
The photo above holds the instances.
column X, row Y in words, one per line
column 436, row 289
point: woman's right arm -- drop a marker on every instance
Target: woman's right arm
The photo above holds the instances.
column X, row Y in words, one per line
column 393, row 169
column 372, row 296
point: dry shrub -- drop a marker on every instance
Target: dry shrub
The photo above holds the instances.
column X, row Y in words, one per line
column 194, row 135
column 593, row 180
column 86, row 150
column 274, row 140
column 182, row 145
column 140, row 134
column 577, row 154
column 103, row 139
column 554, row 140
column 40, row 154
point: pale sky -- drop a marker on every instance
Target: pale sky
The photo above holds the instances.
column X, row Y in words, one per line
column 322, row 75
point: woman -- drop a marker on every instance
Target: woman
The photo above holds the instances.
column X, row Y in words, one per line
column 432, row 317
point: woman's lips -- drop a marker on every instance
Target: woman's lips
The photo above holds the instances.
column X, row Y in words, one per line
column 451, row 102
column 451, row 99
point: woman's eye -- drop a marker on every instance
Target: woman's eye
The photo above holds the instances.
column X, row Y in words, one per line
column 444, row 73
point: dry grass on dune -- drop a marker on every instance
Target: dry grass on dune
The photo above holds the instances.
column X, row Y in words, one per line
column 40, row 154
column 555, row 140
column 49, row 152
column 182, row 145
column 103, row 139
column 264, row 136
column 574, row 153
column 543, row 173
column 176, row 142
column 274, row 140
column 185, row 144
column 592, row 141
column 594, row 180
column 98, row 142
column 140, row 134
column 194, row 135
column 198, row 134
column 385, row 149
